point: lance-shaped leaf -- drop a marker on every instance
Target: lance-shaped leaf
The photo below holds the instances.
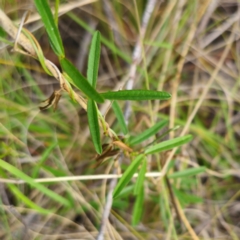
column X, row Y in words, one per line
column 147, row 133
column 169, row 144
column 126, row 177
column 80, row 81
column 119, row 114
column 136, row 95
column 51, row 28
column 94, row 125
column 19, row 174
column 140, row 180
column 93, row 59
column 138, row 208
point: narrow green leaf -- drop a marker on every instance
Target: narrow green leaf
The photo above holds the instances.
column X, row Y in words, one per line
column 26, row 200
column 138, row 208
column 187, row 172
column 94, row 125
column 147, row 133
column 169, row 144
column 136, row 95
column 80, row 81
column 51, row 28
column 93, row 59
column 127, row 175
column 140, row 180
column 118, row 112
column 16, row 172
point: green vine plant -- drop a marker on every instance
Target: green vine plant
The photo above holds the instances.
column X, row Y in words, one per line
column 71, row 77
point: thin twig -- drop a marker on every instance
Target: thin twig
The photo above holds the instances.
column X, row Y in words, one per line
column 78, row 178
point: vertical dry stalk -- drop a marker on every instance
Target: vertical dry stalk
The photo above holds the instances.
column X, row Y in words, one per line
column 137, row 54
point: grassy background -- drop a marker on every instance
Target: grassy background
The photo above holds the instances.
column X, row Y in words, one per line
column 190, row 50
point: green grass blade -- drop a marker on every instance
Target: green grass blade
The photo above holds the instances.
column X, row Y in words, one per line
column 147, row 133
column 140, row 179
column 16, row 172
column 26, row 200
column 119, row 114
column 126, row 177
column 80, row 81
column 93, row 59
column 136, row 95
column 51, row 28
column 94, row 125
column 169, row 144
column 138, row 208
column 187, row 172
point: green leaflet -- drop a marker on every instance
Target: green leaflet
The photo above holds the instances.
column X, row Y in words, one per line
column 126, row 177
column 169, row 144
column 80, row 81
column 147, row 133
column 136, row 95
column 93, row 125
column 118, row 112
column 187, row 172
column 51, row 194
column 140, row 179
column 93, row 59
column 139, row 193
column 138, row 208
column 51, row 28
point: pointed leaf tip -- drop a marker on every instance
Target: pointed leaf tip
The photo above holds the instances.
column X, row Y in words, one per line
column 93, row 59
